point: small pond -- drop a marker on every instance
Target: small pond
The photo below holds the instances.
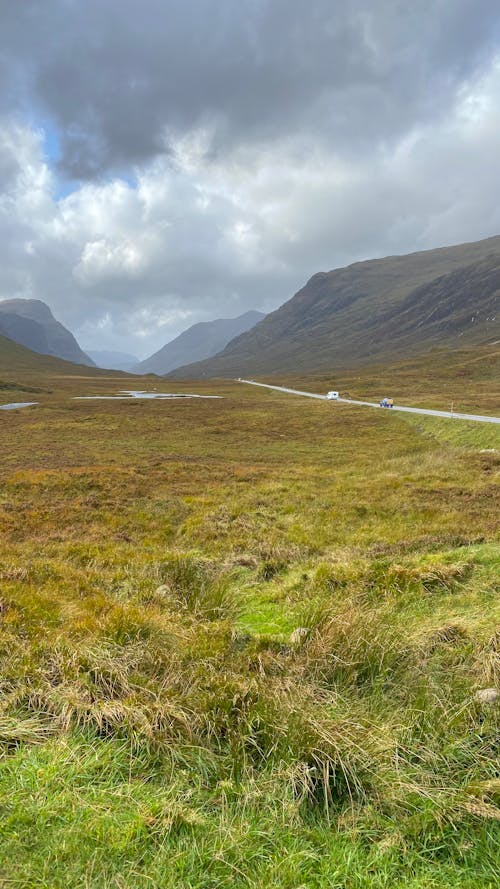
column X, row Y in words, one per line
column 17, row 404
column 128, row 394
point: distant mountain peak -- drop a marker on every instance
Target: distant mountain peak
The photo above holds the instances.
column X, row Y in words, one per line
column 28, row 308
column 113, row 359
column 201, row 340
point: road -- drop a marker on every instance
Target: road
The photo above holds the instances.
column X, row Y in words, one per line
column 409, row 410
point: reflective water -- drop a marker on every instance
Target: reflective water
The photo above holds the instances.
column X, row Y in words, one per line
column 14, row 405
column 128, row 394
column 139, row 393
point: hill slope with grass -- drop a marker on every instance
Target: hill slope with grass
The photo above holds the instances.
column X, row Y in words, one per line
column 377, row 310
column 18, row 361
column 198, row 342
column 37, row 329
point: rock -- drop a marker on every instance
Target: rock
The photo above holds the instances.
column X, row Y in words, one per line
column 487, row 696
column 299, row 635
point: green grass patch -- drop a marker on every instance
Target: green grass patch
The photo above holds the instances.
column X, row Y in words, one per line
column 461, row 433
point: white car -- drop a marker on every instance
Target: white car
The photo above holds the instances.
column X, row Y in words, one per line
column 332, row 395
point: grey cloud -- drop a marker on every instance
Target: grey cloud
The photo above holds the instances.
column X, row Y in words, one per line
column 260, row 143
column 118, row 77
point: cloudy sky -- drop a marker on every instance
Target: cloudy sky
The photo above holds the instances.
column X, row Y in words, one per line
column 164, row 162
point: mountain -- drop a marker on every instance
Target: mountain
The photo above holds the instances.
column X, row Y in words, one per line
column 44, row 334
column 113, row 360
column 24, row 330
column 197, row 342
column 376, row 310
column 16, row 359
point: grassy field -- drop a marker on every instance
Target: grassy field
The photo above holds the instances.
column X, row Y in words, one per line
column 240, row 640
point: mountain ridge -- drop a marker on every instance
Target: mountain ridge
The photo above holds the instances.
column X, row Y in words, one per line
column 201, row 340
column 24, row 331
column 369, row 311
column 56, row 340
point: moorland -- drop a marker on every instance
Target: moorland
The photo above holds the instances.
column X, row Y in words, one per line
column 241, row 641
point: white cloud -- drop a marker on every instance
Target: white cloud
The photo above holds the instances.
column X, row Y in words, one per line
column 194, row 235
column 101, row 260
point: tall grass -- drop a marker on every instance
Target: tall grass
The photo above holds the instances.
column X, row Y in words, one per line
column 255, row 667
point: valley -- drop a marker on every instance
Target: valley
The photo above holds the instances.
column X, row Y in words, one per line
column 249, row 445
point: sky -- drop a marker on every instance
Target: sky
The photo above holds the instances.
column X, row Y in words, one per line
column 164, row 162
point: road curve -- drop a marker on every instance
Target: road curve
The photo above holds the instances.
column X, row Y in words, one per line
column 409, row 410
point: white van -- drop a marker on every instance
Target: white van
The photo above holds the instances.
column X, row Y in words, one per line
column 333, row 395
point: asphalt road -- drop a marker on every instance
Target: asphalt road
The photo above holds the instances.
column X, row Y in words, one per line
column 409, row 410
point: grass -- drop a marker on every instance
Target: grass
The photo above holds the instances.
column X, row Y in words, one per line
column 465, row 380
column 162, row 723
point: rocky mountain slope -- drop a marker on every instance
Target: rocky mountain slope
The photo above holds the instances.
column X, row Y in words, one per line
column 198, row 342
column 376, row 310
column 31, row 323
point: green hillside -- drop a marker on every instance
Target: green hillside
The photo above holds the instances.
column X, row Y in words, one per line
column 17, row 360
column 382, row 309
